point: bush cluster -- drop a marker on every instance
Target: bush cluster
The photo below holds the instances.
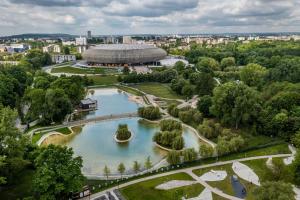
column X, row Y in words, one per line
column 123, row 133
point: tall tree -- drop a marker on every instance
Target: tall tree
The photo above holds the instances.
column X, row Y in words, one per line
column 253, row 75
column 106, row 172
column 235, row 103
column 58, row 173
column 274, row 191
column 148, row 163
column 121, row 169
column 136, row 166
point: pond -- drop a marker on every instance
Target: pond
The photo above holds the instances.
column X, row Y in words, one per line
column 111, row 101
column 97, row 147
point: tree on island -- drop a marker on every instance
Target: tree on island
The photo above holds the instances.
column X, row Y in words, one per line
column 106, row 172
column 121, row 169
column 136, row 166
column 148, row 163
column 123, row 133
column 58, row 173
column 151, row 113
column 169, row 139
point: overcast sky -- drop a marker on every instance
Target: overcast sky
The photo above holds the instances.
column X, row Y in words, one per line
column 148, row 16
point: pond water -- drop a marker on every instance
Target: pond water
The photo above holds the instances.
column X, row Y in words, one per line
column 96, row 142
column 111, row 101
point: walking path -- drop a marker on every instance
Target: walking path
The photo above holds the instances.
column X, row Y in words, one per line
column 189, row 171
column 84, row 121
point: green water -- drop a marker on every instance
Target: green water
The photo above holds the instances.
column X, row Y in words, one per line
column 98, row 148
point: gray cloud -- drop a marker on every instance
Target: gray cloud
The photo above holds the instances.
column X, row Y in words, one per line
column 148, row 16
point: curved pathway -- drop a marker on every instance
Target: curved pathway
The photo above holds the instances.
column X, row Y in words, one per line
column 190, row 172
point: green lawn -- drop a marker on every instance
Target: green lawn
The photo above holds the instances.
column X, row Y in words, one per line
column 130, row 90
column 104, row 80
column 159, row 90
column 22, row 188
column 90, row 70
column 64, row 130
column 146, row 190
column 225, row 185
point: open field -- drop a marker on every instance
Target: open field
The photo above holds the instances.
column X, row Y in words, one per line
column 90, row 70
column 104, row 80
column 146, row 190
column 159, row 90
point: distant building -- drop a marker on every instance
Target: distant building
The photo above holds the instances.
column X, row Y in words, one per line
column 127, row 40
column 88, row 104
column 68, row 43
column 89, row 34
column 63, row 58
column 18, row 48
column 81, row 41
column 52, row 49
column 81, row 49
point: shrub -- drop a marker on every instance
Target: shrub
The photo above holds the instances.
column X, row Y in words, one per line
column 170, row 125
column 123, row 133
column 173, row 110
column 151, row 113
column 189, row 155
column 173, row 157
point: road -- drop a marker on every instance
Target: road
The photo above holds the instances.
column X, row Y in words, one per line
column 189, row 171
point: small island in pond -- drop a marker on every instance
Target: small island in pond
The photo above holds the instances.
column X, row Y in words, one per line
column 123, row 134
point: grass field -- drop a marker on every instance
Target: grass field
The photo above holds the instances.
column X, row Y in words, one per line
column 146, row 190
column 130, row 90
column 91, row 70
column 104, row 80
column 159, row 90
column 22, row 188
column 225, row 185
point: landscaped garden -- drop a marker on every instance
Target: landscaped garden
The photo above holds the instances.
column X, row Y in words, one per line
column 146, row 190
column 87, row 70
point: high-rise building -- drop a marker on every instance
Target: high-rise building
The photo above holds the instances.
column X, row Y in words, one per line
column 89, row 34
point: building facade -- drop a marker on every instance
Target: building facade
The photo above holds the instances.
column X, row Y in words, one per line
column 63, row 58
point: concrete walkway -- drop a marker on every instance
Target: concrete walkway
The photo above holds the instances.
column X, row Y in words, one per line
column 189, row 171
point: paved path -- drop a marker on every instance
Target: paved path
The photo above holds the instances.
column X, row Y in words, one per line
column 189, row 171
column 84, row 121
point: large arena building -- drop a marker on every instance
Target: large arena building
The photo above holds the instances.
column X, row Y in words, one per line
column 123, row 54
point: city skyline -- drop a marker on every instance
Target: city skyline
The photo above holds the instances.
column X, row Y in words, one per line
column 104, row 17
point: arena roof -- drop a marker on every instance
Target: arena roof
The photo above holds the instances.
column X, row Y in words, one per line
column 123, row 54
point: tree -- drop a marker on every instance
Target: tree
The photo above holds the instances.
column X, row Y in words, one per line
column 121, row 169
column 296, row 139
column 136, row 166
column 126, row 70
column 58, row 173
column 2, row 164
column 274, row 191
column 179, row 66
column 296, row 168
column 206, row 151
column 187, row 90
column 235, row 103
column 106, row 172
column 203, row 105
column 13, row 146
column 205, row 84
column 189, row 155
column 253, row 75
column 173, row 157
column 66, row 50
column 227, row 62
column 178, row 84
column 151, row 112
column 57, row 105
column 178, row 143
column 148, row 163
column 123, row 133
column 207, row 64
column 170, row 125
